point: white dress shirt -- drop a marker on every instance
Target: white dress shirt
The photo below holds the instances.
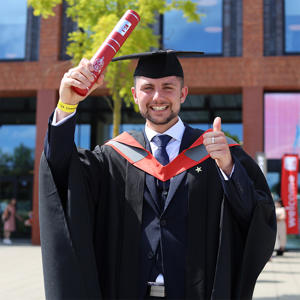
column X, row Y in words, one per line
column 175, row 132
column 54, row 123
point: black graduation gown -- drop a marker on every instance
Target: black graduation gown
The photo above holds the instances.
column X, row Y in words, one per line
column 91, row 241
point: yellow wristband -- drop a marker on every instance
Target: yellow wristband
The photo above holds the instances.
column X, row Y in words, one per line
column 68, row 108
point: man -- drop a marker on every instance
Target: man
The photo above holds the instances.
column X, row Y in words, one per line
column 171, row 212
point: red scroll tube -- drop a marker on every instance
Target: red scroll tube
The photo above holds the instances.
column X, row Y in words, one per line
column 111, row 46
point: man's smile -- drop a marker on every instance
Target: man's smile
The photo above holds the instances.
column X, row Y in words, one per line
column 159, row 108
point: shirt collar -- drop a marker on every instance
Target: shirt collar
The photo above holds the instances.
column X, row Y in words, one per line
column 176, row 131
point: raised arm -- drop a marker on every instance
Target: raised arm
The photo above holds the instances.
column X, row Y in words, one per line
column 59, row 141
column 81, row 76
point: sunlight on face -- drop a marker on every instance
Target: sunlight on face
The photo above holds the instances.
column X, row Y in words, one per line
column 159, row 100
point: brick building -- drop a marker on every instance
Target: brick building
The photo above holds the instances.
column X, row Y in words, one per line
column 253, row 62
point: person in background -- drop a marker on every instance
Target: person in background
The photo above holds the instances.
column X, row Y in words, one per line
column 9, row 220
column 281, row 228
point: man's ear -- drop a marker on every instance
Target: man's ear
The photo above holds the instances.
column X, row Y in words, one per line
column 184, row 93
column 134, row 94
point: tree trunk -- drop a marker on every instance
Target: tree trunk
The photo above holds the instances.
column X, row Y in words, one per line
column 117, row 114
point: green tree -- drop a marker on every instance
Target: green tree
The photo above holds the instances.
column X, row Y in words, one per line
column 22, row 160
column 96, row 19
column 233, row 136
column 5, row 163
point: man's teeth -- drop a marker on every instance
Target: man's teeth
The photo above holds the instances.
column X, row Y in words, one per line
column 159, row 107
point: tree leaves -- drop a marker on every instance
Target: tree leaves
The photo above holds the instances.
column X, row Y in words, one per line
column 19, row 163
column 43, row 7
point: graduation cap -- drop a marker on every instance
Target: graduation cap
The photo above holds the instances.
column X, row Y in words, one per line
column 161, row 63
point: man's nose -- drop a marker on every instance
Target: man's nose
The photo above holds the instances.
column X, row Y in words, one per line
column 157, row 95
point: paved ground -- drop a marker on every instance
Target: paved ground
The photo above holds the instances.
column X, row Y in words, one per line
column 280, row 278
column 21, row 275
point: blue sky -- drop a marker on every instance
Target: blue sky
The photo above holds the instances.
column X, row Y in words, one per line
column 292, row 7
column 12, row 136
column 205, row 36
column 13, row 15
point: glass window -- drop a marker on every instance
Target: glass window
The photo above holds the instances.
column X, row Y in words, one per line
column 273, row 179
column 13, row 18
column 17, row 145
column 200, row 111
column 126, row 127
column 292, row 26
column 83, row 136
column 282, row 124
column 12, row 136
column 178, row 34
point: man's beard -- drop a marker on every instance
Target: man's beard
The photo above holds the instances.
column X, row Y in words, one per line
column 159, row 122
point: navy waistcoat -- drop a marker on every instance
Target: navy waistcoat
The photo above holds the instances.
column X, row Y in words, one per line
column 168, row 229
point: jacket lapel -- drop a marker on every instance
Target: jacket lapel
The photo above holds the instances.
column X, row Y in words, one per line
column 174, row 184
column 189, row 137
column 150, row 183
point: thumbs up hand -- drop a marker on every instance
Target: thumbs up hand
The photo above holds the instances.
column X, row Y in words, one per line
column 217, row 147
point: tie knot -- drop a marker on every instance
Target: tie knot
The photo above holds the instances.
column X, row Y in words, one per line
column 161, row 140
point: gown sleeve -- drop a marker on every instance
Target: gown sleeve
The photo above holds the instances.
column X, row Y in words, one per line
column 246, row 188
column 247, row 230
column 67, row 204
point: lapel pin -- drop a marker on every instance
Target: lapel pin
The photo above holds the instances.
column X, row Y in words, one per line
column 198, row 169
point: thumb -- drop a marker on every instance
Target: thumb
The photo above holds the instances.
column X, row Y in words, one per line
column 217, row 124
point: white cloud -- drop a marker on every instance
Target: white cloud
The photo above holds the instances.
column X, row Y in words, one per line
column 212, row 29
column 207, row 2
column 10, row 55
column 294, row 27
